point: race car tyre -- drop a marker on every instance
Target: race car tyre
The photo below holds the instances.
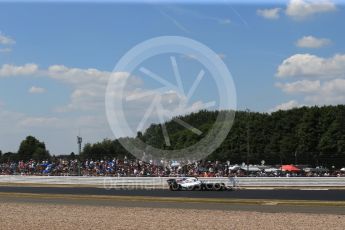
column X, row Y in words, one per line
column 190, row 188
column 217, row 187
column 175, row 187
column 223, row 186
column 198, row 187
column 209, row 187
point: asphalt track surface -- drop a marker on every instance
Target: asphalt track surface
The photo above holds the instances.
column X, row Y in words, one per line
column 45, row 195
column 280, row 194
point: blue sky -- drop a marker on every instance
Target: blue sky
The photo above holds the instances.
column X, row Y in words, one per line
column 280, row 56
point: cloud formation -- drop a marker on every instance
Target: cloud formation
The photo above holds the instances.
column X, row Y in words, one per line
column 312, row 66
column 312, row 42
column 320, row 81
column 6, row 40
column 299, row 10
column 329, row 92
column 8, row 70
column 272, row 14
column 36, row 90
column 304, row 86
column 302, row 9
column 86, row 105
column 286, row 106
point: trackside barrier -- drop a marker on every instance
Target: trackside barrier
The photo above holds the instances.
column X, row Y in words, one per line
column 161, row 181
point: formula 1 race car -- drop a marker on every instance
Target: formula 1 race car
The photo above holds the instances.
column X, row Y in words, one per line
column 195, row 184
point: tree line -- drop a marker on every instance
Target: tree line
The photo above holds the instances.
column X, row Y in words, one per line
column 307, row 135
column 30, row 148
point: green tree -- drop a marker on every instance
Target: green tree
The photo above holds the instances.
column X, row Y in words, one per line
column 104, row 149
column 72, row 156
column 314, row 134
column 31, row 148
column 308, row 136
column 8, row 157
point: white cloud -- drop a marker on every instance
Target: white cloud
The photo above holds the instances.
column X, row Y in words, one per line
column 303, row 86
column 40, row 122
column 312, row 42
column 11, row 70
column 335, row 85
column 6, row 40
column 286, row 106
column 301, row 9
column 312, row 66
column 88, row 84
column 36, row 90
column 322, row 79
column 77, row 75
column 317, row 92
column 273, row 13
column 330, row 92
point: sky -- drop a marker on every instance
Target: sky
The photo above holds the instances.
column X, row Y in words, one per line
column 56, row 60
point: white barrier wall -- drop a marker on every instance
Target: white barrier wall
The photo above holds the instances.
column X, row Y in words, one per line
column 161, row 181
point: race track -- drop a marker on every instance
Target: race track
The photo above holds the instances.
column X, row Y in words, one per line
column 272, row 201
column 279, row 194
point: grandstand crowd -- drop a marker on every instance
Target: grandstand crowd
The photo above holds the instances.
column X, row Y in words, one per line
column 137, row 168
